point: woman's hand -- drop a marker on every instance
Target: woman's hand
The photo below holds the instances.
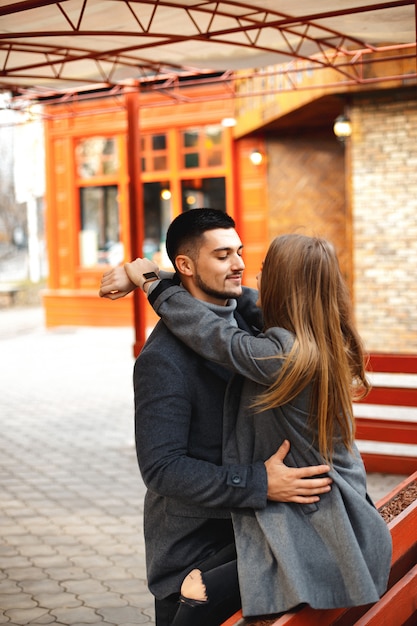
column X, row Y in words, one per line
column 121, row 280
column 115, row 283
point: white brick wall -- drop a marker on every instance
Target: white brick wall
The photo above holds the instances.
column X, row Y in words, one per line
column 383, row 152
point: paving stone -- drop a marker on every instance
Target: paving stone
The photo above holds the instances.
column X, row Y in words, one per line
column 101, row 600
column 109, row 573
column 74, row 550
column 8, row 586
column 63, row 573
column 115, row 550
column 59, row 539
column 124, row 586
column 124, row 615
column 25, row 573
column 10, row 562
column 7, row 551
column 24, row 617
column 51, row 561
column 94, row 560
column 80, row 529
column 38, row 549
column 10, row 530
column 55, row 600
column 126, row 560
column 45, row 619
column 45, row 585
column 76, row 616
column 17, row 601
column 85, row 586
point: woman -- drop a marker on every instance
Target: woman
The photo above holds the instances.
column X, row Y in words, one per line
column 296, row 381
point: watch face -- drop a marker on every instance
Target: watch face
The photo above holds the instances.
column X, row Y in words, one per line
column 150, row 275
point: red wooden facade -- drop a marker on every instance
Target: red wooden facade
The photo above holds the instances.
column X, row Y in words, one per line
column 110, row 196
column 145, row 161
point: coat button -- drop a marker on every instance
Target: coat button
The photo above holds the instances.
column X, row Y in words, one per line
column 236, row 479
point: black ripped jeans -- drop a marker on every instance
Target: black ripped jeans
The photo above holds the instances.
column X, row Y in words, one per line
column 219, row 574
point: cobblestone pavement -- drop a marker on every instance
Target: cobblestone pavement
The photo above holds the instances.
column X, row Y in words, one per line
column 71, row 543
column 71, row 494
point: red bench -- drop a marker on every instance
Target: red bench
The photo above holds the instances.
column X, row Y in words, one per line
column 386, row 420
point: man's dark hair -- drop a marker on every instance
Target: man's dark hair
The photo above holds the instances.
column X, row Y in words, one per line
column 187, row 228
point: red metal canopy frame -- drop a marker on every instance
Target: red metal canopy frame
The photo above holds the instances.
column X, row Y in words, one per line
column 50, row 48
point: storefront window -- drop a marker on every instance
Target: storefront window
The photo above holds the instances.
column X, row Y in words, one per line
column 96, row 156
column 194, row 177
column 100, row 226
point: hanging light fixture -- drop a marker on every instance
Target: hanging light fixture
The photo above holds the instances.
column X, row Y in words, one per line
column 342, row 127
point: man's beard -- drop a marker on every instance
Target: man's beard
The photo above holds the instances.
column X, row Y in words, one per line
column 213, row 293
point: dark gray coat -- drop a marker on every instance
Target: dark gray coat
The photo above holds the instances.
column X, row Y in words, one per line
column 335, row 553
column 179, row 425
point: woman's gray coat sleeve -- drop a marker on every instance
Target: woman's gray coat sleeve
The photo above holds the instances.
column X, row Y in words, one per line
column 218, row 340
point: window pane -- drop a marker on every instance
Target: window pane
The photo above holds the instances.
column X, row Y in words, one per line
column 158, row 215
column 204, row 193
column 109, row 146
column 154, row 152
column 109, row 167
column 215, row 158
column 96, row 156
column 190, row 138
column 213, row 144
column 100, row 227
column 159, row 142
column 191, row 160
column 214, row 135
column 160, row 163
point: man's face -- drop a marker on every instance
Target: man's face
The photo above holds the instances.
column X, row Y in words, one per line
column 217, row 271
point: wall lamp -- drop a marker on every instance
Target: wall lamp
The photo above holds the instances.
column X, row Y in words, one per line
column 342, row 128
column 256, row 157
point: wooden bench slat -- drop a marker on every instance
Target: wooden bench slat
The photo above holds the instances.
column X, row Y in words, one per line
column 392, row 379
column 388, row 463
column 391, row 395
column 386, row 412
column 385, row 430
column 397, row 605
column 400, row 363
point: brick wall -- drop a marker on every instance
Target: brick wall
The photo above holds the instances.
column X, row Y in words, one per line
column 383, row 158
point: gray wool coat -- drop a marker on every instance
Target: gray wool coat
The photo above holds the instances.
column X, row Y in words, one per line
column 335, row 553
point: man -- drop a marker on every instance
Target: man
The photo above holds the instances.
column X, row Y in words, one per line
column 179, row 423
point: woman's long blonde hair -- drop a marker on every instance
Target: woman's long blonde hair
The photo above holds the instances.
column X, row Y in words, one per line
column 303, row 290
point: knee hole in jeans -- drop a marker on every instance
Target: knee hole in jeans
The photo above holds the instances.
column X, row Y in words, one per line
column 193, row 587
